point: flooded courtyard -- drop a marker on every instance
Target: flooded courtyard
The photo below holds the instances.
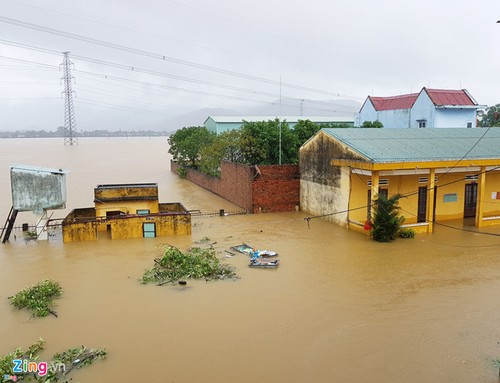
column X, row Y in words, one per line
column 340, row 308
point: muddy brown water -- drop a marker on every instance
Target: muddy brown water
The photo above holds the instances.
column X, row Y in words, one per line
column 340, row 308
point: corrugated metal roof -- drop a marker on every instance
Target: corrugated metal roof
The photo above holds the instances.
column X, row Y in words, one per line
column 404, row 101
column 239, row 119
column 420, row 145
column 439, row 97
column 442, row 97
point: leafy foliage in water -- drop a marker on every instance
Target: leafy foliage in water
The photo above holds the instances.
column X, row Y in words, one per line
column 38, row 298
column 407, row 233
column 58, row 368
column 196, row 263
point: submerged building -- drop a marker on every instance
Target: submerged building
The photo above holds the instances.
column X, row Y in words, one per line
column 442, row 174
column 126, row 211
column 221, row 124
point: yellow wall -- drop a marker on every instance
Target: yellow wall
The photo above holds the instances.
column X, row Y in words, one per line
column 121, row 192
column 86, row 231
column 359, row 198
column 126, row 207
column 132, row 227
column 491, row 206
column 407, row 185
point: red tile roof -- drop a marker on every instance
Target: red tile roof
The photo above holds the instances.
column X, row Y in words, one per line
column 404, row 101
column 441, row 97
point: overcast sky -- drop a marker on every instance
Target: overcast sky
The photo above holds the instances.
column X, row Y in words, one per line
column 192, row 54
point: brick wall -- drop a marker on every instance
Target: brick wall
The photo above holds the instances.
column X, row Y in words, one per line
column 276, row 188
column 270, row 188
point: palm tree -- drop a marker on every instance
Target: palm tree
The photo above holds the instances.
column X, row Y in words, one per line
column 386, row 222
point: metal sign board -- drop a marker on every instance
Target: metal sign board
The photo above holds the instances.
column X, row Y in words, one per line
column 37, row 189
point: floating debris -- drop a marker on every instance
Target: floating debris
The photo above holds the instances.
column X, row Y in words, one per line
column 196, row 263
column 38, row 298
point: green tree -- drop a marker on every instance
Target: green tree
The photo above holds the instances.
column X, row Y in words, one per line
column 372, row 124
column 305, row 129
column 336, row 125
column 387, row 221
column 490, row 116
column 186, row 144
column 225, row 147
column 260, row 143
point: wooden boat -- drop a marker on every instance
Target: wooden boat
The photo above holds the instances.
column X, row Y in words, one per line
column 248, row 250
column 254, row 262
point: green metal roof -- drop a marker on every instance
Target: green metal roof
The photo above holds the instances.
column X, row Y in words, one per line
column 416, row 145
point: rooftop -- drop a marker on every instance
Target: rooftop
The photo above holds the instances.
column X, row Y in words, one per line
column 420, row 145
column 404, row 101
column 287, row 118
column 439, row 97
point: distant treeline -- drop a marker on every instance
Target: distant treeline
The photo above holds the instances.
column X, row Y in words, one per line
column 92, row 133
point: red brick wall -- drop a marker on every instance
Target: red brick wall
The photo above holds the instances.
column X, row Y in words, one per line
column 276, row 188
column 270, row 188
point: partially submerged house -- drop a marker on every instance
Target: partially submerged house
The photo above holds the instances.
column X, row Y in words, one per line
column 126, row 211
column 442, row 174
column 220, row 124
column 430, row 108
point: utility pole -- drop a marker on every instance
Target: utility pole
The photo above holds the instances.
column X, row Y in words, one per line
column 69, row 111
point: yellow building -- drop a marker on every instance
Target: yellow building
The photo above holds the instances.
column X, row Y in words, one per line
column 442, row 174
column 126, row 211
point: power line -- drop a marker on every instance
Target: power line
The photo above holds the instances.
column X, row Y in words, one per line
column 157, row 56
column 166, row 75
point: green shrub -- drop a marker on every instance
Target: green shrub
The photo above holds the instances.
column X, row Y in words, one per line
column 406, row 233
column 182, row 172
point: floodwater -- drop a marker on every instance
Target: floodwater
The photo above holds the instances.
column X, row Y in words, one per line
column 340, row 308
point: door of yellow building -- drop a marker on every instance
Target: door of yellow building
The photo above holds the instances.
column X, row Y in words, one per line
column 149, row 229
column 470, row 200
column 422, row 204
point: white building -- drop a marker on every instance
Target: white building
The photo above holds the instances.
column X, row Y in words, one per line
column 430, row 108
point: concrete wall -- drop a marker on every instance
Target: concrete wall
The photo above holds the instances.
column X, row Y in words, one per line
column 399, row 118
column 366, row 113
column 107, row 193
column 80, row 225
column 324, row 189
column 455, row 118
column 269, row 188
column 166, row 224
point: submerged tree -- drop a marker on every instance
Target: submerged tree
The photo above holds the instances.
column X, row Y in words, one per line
column 186, row 143
column 387, row 221
column 48, row 372
column 225, row 147
column 196, row 263
column 260, row 142
column 38, row 298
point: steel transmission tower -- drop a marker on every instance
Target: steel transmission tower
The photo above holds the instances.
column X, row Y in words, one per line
column 69, row 111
